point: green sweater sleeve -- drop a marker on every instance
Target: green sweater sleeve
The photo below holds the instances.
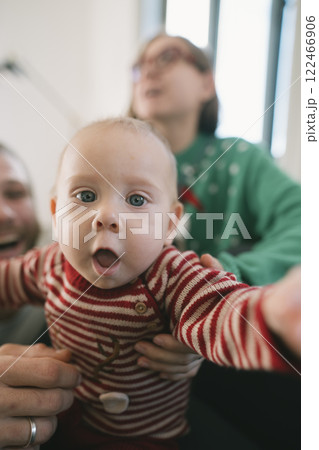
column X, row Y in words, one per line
column 275, row 203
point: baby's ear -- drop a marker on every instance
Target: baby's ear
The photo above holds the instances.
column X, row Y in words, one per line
column 53, row 209
column 178, row 210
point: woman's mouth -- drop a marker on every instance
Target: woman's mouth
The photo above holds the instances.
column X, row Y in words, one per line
column 152, row 93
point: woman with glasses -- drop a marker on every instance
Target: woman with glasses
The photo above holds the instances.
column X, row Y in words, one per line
column 242, row 210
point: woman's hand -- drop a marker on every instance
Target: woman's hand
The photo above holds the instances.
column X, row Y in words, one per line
column 39, row 385
column 166, row 354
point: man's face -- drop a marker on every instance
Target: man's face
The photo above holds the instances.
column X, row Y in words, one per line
column 18, row 224
column 119, row 173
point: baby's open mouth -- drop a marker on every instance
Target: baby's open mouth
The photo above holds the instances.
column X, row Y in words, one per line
column 105, row 258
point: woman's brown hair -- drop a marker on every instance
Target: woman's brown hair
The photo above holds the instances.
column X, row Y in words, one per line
column 208, row 118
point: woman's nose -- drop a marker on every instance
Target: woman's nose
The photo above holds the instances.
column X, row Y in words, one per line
column 148, row 70
column 106, row 218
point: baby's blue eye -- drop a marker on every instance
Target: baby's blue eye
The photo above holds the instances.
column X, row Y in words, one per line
column 86, row 196
column 136, row 200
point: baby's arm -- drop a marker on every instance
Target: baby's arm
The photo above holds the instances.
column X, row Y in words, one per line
column 223, row 320
column 21, row 278
column 166, row 355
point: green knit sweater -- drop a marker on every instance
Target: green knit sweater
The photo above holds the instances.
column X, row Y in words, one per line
column 255, row 228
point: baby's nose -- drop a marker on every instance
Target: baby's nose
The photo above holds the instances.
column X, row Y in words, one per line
column 106, row 218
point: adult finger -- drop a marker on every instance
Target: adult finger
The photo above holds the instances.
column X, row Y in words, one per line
column 39, row 372
column 16, row 431
column 36, row 350
column 176, row 376
column 210, row 262
column 172, row 371
column 163, row 355
column 170, row 343
column 33, row 402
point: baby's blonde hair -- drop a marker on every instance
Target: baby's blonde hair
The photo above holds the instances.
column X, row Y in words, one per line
column 129, row 124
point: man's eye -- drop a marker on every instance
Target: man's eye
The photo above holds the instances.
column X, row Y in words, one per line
column 136, row 200
column 15, row 194
column 86, row 196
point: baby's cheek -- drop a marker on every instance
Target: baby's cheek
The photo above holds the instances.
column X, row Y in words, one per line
column 142, row 252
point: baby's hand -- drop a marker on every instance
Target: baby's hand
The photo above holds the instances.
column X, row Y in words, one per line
column 282, row 309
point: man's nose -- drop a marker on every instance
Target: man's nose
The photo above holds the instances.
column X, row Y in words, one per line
column 6, row 212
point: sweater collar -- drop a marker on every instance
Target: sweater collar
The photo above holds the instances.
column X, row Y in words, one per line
column 75, row 279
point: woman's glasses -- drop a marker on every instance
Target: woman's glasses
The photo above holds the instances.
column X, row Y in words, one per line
column 160, row 62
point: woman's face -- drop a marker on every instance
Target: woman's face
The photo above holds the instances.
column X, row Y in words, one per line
column 169, row 84
column 18, row 224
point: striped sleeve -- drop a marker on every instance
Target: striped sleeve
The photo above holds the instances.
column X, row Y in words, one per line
column 215, row 315
column 22, row 278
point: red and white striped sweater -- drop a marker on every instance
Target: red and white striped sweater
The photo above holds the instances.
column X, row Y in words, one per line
column 208, row 310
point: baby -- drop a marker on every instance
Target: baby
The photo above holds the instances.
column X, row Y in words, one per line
column 114, row 279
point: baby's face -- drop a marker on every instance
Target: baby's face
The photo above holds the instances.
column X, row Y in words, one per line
column 119, row 173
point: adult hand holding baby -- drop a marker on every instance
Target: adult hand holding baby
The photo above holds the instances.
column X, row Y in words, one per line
column 36, row 383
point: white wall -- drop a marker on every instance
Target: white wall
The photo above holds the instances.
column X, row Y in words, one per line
column 82, row 48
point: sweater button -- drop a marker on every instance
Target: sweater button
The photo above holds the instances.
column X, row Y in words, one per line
column 140, row 308
column 114, row 402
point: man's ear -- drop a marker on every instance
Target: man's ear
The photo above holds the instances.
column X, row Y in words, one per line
column 178, row 210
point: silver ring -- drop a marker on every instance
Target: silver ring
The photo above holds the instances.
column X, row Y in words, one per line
column 33, row 432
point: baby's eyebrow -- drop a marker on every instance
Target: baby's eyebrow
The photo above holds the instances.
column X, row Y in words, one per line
column 140, row 179
column 79, row 178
